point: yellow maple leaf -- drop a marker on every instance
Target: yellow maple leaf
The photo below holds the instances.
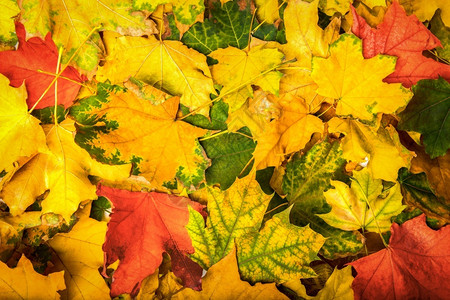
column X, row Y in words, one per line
column 67, row 171
column 14, row 122
column 237, row 70
column 356, row 83
column 79, row 254
column 149, row 132
column 361, row 143
column 23, row 282
column 287, row 134
column 362, row 205
column 168, row 65
column 226, row 270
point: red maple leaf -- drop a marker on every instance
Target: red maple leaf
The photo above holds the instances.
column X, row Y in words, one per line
column 405, row 37
column 416, row 265
column 37, row 54
column 142, row 227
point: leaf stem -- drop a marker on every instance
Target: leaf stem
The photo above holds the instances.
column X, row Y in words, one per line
column 55, row 115
column 371, row 209
column 63, row 69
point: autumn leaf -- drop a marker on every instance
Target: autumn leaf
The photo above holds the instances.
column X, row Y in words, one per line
column 306, row 178
column 237, row 70
column 24, row 65
column 157, row 225
column 229, row 25
column 226, row 271
column 415, row 254
column 362, row 205
column 427, row 113
column 287, row 134
column 417, row 193
column 302, row 32
column 79, row 254
column 169, row 66
column 22, row 282
column 161, row 144
column 338, row 286
column 232, row 213
column 71, row 22
column 14, row 121
column 186, row 11
column 356, row 83
column 362, row 144
column 407, row 41
column 424, row 10
column 9, row 9
column 229, row 154
column 269, row 257
column 442, row 32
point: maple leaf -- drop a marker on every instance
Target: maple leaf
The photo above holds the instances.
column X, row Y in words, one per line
column 226, row 271
column 71, row 22
column 79, row 254
column 427, row 113
column 23, row 65
column 167, row 65
column 237, row 70
column 269, row 257
column 306, row 178
column 361, row 143
column 22, row 282
column 14, row 121
column 157, row 225
column 362, row 205
column 64, row 170
column 289, row 133
column 357, row 82
column 232, row 213
column 416, row 254
column 406, row 38
column 138, row 130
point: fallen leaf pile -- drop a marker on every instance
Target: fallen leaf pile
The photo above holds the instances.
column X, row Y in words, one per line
column 279, row 149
